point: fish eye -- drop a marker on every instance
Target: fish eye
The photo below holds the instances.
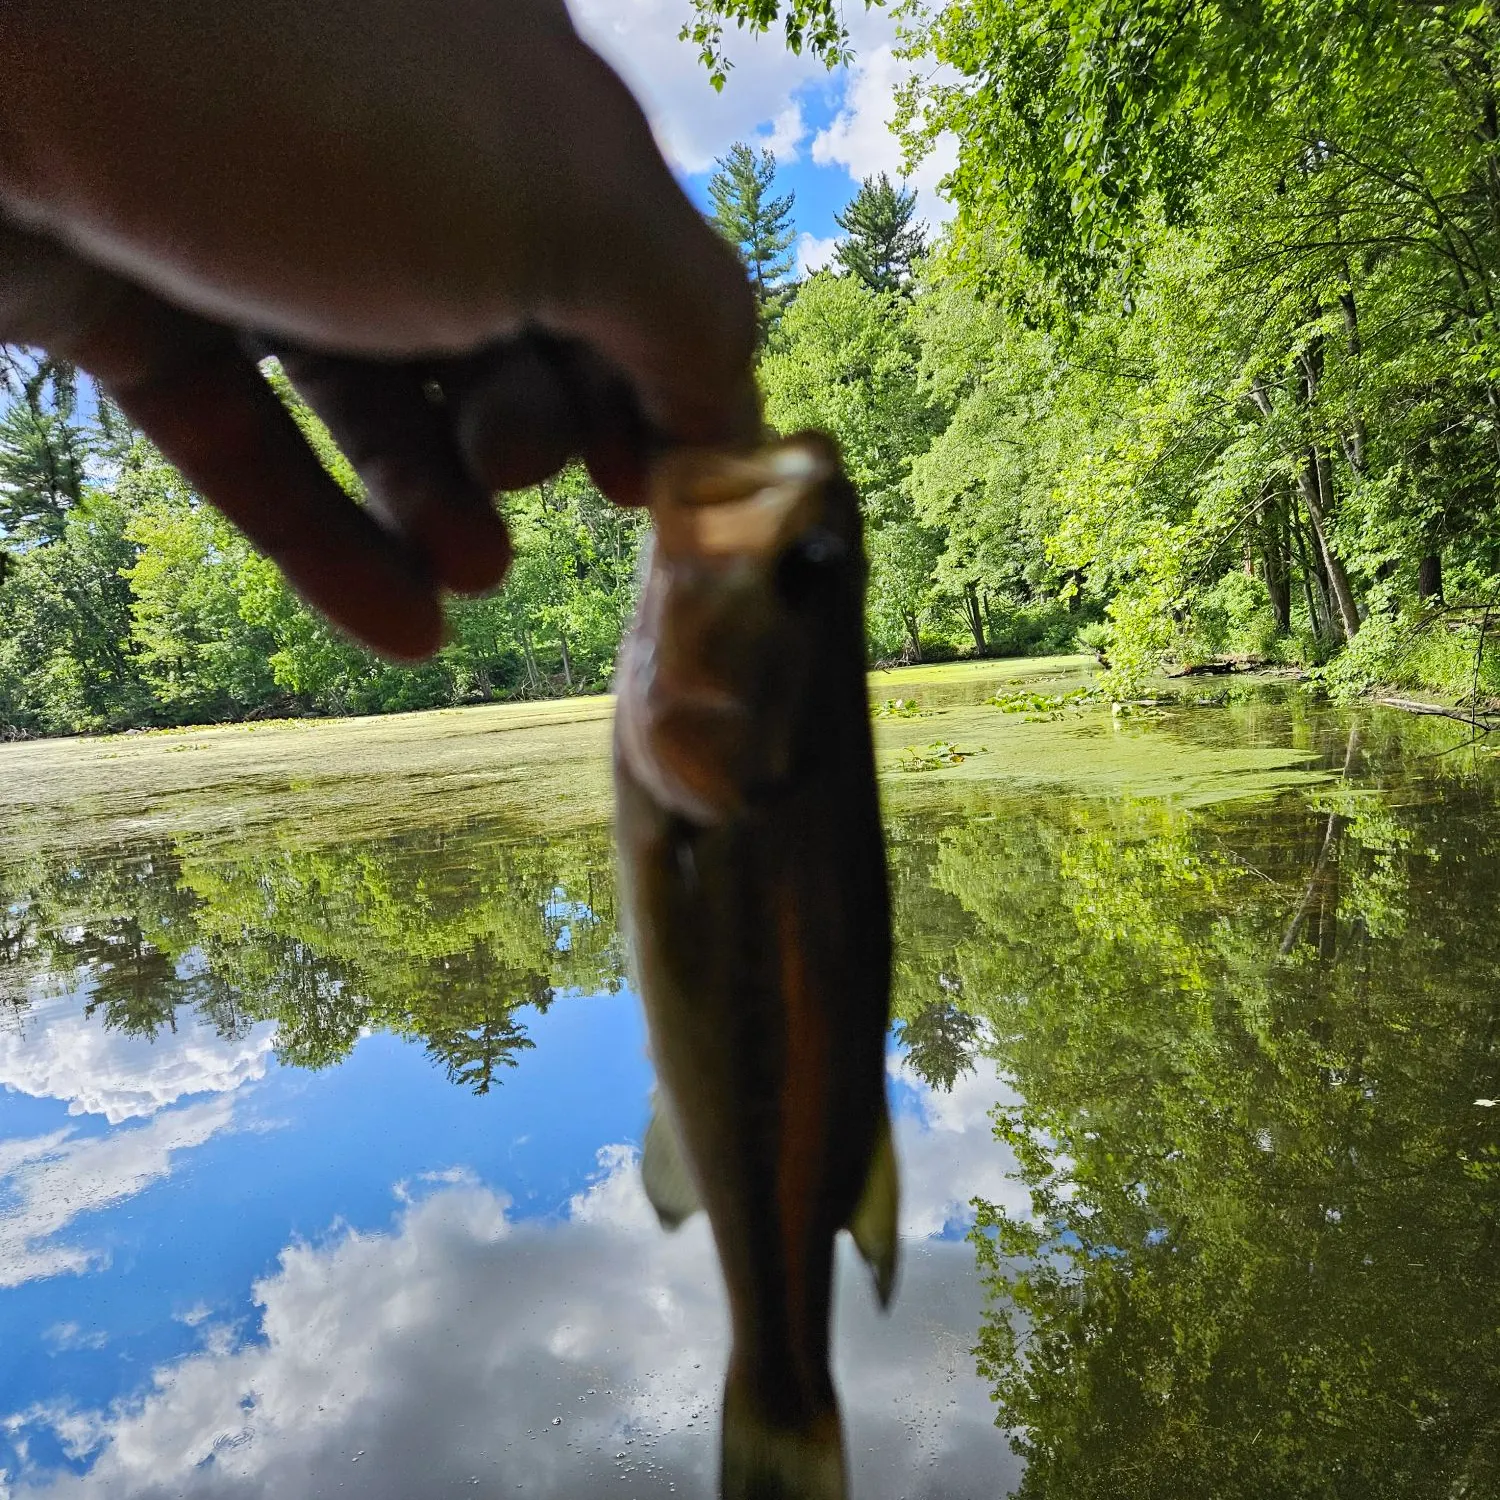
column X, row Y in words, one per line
column 805, row 566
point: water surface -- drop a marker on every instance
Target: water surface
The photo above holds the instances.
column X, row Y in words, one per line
column 318, row 1144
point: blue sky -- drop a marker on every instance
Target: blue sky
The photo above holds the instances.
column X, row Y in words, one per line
column 163, row 1203
column 828, row 130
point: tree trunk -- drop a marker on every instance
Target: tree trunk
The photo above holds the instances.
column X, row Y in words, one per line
column 1430, row 578
column 1354, row 442
column 1314, row 479
column 1275, row 564
column 528, row 656
column 975, row 617
column 913, row 635
column 567, row 663
column 1312, row 586
column 1327, row 862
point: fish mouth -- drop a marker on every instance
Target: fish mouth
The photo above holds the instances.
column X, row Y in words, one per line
column 738, row 507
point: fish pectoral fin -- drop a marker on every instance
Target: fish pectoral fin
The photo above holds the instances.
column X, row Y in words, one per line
column 664, row 1171
column 874, row 1222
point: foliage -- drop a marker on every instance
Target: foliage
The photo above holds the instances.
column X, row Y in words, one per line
column 881, row 245
column 1043, row 706
column 757, row 225
column 844, row 358
column 128, row 601
column 1206, row 364
column 933, row 757
column 327, row 943
column 900, row 708
column 1258, row 1254
column 941, row 1042
column 1218, row 302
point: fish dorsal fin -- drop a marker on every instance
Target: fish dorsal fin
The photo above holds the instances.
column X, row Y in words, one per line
column 664, row 1170
column 873, row 1224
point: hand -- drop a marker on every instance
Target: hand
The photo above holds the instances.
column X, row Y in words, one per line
column 447, row 216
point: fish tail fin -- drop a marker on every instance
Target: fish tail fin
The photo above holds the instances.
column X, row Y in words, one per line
column 764, row 1459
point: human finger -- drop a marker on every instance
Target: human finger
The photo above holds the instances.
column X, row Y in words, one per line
column 192, row 389
column 398, row 435
column 516, row 412
column 525, row 408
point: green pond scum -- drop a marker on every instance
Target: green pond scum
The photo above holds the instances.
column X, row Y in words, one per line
column 1237, row 968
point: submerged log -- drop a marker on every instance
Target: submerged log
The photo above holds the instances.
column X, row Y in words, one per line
column 1488, row 722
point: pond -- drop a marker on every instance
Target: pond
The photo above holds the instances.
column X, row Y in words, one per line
column 322, row 1085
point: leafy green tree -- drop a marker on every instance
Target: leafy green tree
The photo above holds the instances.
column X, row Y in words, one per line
column 67, row 662
column 941, row 1041
column 1248, row 1042
column 1263, row 248
column 445, row 938
column 844, row 359
column 200, row 657
column 881, row 244
column 758, row 225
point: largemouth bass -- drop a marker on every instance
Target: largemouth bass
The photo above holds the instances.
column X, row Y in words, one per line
column 753, row 872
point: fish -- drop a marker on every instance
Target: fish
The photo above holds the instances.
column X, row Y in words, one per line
column 756, row 905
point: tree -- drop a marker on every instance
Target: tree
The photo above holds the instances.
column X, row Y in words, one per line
column 1258, row 1254
column 941, row 1042
column 201, row 657
column 757, row 225
column 844, row 359
column 881, row 243
column 67, row 662
column 43, row 448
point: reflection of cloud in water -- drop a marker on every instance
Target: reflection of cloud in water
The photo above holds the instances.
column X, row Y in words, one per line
column 62, row 1054
column 948, row 1150
column 442, row 1353
column 46, row 1182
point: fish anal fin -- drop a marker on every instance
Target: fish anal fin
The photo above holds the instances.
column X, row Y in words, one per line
column 664, row 1171
column 874, row 1222
column 763, row 1460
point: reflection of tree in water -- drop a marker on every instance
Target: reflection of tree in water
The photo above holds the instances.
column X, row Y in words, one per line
column 470, row 1022
column 940, row 1042
column 1262, row 1259
column 445, row 939
column 96, row 924
column 1265, row 1233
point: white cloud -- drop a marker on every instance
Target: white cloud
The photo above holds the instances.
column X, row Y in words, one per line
column 949, row 1154
column 693, row 124
column 61, row 1054
column 860, row 138
column 48, row 1181
column 784, row 136
column 464, row 1350
column 762, row 102
column 64, row 1336
column 813, row 254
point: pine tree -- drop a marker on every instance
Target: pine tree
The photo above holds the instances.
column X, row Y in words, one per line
column 882, row 241
column 43, row 450
column 758, row 226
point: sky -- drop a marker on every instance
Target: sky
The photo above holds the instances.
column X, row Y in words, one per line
column 219, row 1275
column 828, row 130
